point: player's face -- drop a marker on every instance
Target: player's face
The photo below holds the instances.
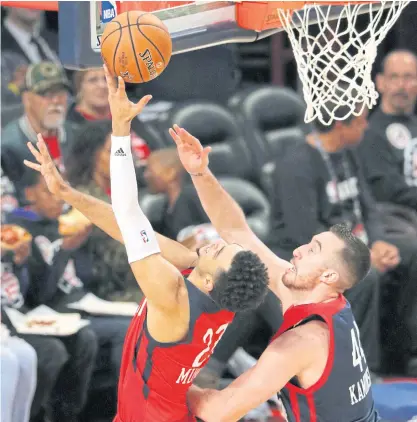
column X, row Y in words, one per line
column 94, row 90
column 216, row 256
column 311, row 262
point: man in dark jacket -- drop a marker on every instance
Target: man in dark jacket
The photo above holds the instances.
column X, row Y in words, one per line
column 389, row 149
column 45, row 100
column 320, row 183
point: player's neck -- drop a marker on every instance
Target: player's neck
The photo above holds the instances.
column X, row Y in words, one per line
column 302, row 297
column 328, row 141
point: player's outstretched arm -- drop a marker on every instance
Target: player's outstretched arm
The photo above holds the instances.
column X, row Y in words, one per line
column 284, row 358
column 98, row 212
column 159, row 280
column 223, row 211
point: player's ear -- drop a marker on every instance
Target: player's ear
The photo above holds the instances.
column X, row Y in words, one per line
column 329, row 277
column 208, row 282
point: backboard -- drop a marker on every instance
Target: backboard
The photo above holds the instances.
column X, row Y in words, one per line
column 192, row 25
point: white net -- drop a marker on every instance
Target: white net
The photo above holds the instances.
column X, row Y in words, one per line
column 335, row 57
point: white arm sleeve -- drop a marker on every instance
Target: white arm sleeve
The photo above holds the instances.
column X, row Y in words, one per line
column 138, row 235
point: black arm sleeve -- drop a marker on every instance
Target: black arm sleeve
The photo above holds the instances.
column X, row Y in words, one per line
column 383, row 174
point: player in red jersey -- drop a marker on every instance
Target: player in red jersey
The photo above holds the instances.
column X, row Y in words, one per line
column 316, row 359
column 182, row 319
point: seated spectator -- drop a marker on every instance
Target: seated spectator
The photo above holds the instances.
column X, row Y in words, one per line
column 88, row 170
column 389, row 149
column 320, row 183
column 165, row 174
column 92, row 104
column 53, row 277
column 45, row 99
column 64, row 365
column 18, row 373
column 23, row 44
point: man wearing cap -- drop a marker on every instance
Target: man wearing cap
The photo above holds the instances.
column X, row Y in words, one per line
column 44, row 98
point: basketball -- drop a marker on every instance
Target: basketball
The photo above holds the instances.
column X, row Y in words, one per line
column 136, row 46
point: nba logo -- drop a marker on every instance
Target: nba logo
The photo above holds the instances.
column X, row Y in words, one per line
column 144, row 236
column 108, row 11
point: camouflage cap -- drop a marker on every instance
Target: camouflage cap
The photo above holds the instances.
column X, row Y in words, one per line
column 43, row 76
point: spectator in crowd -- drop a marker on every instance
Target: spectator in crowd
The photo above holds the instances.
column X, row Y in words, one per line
column 88, row 170
column 45, row 99
column 92, row 104
column 54, row 280
column 23, row 44
column 64, row 365
column 320, row 183
column 165, row 174
column 18, row 375
column 389, row 149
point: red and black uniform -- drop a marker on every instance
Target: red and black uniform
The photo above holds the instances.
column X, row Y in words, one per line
column 343, row 392
column 155, row 377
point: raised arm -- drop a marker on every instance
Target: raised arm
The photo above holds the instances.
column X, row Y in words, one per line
column 223, row 211
column 97, row 211
column 159, row 280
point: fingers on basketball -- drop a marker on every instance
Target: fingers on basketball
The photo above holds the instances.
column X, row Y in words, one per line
column 121, row 87
column 110, row 81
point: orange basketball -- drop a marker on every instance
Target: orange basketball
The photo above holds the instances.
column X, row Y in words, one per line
column 136, row 46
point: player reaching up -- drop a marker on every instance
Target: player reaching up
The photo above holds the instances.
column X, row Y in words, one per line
column 182, row 319
column 316, row 359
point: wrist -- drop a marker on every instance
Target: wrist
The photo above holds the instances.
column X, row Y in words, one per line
column 121, row 128
column 199, row 173
column 64, row 191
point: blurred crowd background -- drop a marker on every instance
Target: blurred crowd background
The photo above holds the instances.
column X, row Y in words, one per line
column 292, row 180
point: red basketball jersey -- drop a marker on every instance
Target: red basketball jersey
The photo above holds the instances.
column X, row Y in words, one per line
column 155, row 377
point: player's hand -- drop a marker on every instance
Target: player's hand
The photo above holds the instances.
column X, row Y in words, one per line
column 193, row 156
column 123, row 111
column 46, row 167
column 76, row 240
column 384, row 256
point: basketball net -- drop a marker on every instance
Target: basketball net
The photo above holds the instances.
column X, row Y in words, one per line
column 334, row 58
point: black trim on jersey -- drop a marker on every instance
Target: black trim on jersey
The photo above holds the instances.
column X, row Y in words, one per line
column 136, row 351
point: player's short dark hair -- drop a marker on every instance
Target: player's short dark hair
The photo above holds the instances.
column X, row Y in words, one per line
column 244, row 285
column 355, row 254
